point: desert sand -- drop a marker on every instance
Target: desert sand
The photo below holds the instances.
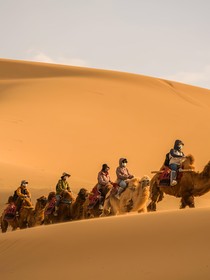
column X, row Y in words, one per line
column 56, row 118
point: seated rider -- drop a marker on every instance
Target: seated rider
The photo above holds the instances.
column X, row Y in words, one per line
column 122, row 175
column 62, row 185
column 103, row 182
column 21, row 194
column 176, row 157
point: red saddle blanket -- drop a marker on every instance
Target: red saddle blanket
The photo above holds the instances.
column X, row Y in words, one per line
column 10, row 212
column 164, row 178
column 94, row 196
column 51, row 207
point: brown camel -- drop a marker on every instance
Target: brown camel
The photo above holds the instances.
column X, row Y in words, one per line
column 94, row 211
column 9, row 217
column 23, row 220
column 133, row 199
column 190, row 185
column 49, row 218
column 77, row 207
column 37, row 215
column 64, row 209
column 69, row 208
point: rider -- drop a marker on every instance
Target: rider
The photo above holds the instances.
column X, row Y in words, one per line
column 21, row 194
column 103, row 181
column 176, row 156
column 62, row 185
column 122, row 175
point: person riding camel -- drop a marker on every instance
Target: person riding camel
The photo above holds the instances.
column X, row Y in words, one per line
column 176, row 157
column 103, row 181
column 122, row 175
column 98, row 193
column 21, row 194
column 61, row 186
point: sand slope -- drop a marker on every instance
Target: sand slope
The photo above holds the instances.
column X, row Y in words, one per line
column 57, row 118
column 168, row 245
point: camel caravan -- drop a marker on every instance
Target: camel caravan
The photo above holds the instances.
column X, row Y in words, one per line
column 177, row 177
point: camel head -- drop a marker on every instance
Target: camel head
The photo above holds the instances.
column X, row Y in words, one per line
column 10, row 199
column 206, row 172
column 83, row 194
column 42, row 201
column 51, row 195
column 137, row 183
column 145, row 181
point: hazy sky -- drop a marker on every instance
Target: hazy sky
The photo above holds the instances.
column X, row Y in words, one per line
column 162, row 38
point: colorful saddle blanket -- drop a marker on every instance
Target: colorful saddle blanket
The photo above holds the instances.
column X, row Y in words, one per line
column 164, row 178
column 50, row 207
column 94, row 197
column 10, row 212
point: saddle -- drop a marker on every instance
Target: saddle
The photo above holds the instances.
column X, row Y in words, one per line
column 94, row 197
column 164, row 178
column 10, row 212
column 51, row 207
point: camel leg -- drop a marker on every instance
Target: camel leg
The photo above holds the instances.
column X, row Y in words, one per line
column 143, row 210
column 183, row 203
column 107, row 206
column 152, row 206
column 191, row 201
column 4, row 226
column 156, row 196
column 187, row 200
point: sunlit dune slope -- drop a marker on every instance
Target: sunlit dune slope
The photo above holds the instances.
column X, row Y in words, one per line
column 167, row 245
column 60, row 118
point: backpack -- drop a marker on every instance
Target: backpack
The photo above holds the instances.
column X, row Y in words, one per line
column 167, row 159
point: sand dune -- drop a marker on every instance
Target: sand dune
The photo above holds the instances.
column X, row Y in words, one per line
column 168, row 245
column 56, row 118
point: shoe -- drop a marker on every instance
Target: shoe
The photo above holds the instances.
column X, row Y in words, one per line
column 117, row 196
column 55, row 213
column 100, row 207
column 173, row 183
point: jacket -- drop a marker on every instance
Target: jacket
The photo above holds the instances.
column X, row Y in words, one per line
column 103, row 178
column 20, row 192
column 176, row 155
column 62, row 185
column 122, row 172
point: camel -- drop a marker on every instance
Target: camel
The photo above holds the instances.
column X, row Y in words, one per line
column 69, row 208
column 93, row 199
column 9, row 219
column 37, row 215
column 64, row 209
column 133, row 199
column 190, row 185
column 49, row 218
column 77, row 207
column 26, row 217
